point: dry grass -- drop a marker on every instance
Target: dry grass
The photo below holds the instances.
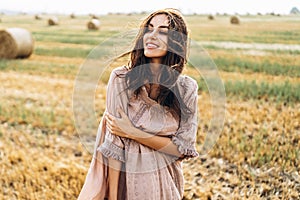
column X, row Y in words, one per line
column 42, row 157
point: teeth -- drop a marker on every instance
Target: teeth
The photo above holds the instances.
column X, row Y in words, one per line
column 151, row 45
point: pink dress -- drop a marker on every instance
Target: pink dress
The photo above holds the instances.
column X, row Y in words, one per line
column 146, row 173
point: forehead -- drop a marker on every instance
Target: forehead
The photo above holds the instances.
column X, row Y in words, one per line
column 160, row 20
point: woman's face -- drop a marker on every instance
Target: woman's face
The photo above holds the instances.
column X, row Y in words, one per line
column 155, row 39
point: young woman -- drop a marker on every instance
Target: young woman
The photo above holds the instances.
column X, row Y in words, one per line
column 150, row 122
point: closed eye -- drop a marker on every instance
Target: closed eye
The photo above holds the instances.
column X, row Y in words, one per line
column 163, row 32
column 148, row 30
column 162, row 29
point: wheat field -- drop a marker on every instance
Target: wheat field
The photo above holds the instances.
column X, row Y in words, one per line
column 255, row 157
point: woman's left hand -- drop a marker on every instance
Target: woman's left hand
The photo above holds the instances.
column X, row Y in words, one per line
column 119, row 126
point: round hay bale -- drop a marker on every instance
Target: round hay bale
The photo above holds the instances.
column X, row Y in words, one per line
column 53, row 21
column 93, row 24
column 72, row 16
column 15, row 43
column 37, row 17
column 211, row 17
column 234, row 20
column 94, row 16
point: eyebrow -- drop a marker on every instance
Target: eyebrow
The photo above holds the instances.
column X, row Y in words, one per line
column 162, row 26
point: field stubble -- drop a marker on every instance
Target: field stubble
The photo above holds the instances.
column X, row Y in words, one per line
column 255, row 157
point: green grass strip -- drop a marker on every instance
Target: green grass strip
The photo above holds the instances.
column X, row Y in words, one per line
column 63, row 52
column 73, row 38
column 285, row 92
column 266, row 67
column 39, row 67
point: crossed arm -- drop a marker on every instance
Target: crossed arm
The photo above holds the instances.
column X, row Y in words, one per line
column 123, row 127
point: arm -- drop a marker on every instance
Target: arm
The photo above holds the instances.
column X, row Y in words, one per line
column 182, row 144
column 113, row 178
column 113, row 145
column 123, row 127
column 159, row 143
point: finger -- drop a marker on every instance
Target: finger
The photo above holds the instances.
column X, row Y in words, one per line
column 108, row 120
column 109, row 129
column 110, row 125
column 115, row 131
column 109, row 116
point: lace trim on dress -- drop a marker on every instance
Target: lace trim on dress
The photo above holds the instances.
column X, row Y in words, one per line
column 185, row 148
column 109, row 149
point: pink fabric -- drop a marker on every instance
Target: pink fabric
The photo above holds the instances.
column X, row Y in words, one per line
column 96, row 179
column 146, row 173
column 152, row 118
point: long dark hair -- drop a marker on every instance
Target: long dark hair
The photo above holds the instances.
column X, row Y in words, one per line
column 172, row 63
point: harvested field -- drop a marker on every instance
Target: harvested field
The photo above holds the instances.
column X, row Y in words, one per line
column 255, row 157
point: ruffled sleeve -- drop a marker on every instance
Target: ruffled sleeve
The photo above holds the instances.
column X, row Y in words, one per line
column 96, row 185
column 116, row 97
column 185, row 137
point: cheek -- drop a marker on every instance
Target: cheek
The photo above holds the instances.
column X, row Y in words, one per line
column 144, row 39
column 164, row 41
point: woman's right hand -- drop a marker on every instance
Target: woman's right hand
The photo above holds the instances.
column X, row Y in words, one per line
column 120, row 126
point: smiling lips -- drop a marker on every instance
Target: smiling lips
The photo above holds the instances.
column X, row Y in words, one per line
column 151, row 45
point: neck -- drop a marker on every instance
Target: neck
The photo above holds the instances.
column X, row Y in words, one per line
column 155, row 69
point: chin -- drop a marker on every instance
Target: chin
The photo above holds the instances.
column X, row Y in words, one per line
column 154, row 55
column 149, row 55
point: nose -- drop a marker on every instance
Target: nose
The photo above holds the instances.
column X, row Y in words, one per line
column 153, row 34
